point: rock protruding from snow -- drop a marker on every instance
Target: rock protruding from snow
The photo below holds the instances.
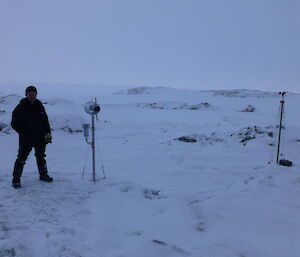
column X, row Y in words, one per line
column 187, row 139
column 252, row 132
column 151, row 194
column 248, row 108
column 202, row 139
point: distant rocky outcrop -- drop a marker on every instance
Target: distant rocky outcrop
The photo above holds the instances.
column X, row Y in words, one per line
column 243, row 93
column 140, row 90
column 166, row 106
column 176, row 106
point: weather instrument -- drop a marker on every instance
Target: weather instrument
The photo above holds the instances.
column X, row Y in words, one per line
column 278, row 160
column 92, row 108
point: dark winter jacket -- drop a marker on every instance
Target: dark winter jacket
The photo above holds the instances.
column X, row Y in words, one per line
column 30, row 119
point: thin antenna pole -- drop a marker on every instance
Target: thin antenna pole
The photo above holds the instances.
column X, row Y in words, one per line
column 280, row 125
column 93, row 147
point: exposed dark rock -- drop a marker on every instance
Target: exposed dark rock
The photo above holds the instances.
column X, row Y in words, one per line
column 7, row 252
column 286, row 163
column 248, row 108
column 187, row 139
column 159, row 242
column 202, row 139
column 137, row 91
column 153, row 194
column 250, row 133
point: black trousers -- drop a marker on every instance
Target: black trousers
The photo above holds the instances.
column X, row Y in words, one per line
column 25, row 147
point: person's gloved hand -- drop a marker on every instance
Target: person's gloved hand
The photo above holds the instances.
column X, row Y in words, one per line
column 48, row 138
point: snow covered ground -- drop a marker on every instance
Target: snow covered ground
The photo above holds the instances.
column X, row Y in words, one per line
column 215, row 197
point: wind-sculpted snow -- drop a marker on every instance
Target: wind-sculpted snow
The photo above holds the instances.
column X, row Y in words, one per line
column 58, row 102
column 4, row 128
column 63, row 114
column 69, row 123
column 10, row 99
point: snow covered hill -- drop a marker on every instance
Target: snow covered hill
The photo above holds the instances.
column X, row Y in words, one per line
column 216, row 195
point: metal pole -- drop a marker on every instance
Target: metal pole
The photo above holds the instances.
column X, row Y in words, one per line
column 280, row 126
column 93, row 147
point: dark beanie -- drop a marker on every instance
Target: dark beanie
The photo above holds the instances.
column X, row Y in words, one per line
column 30, row 89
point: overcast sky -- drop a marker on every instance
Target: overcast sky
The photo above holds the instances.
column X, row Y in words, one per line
column 200, row 44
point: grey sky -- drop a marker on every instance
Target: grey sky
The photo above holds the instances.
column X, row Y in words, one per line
column 208, row 44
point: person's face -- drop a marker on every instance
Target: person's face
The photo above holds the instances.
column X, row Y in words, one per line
column 31, row 96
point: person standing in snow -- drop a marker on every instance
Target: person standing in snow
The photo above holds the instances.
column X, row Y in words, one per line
column 30, row 121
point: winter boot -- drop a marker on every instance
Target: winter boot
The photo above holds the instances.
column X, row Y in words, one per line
column 46, row 178
column 42, row 166
column 16, row 182
column 18, row 169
